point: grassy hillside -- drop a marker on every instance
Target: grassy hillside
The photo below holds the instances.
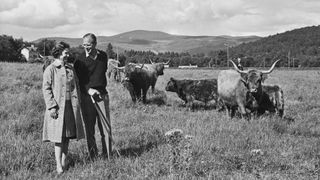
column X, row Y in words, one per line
column 221, row 147
column 142, row 40
column 301, row 44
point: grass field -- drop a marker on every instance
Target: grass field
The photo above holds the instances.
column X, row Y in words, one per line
column 221, row 147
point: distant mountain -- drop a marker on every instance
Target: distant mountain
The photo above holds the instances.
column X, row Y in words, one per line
column 300, row 45
column 72, row 41
column 158, row 41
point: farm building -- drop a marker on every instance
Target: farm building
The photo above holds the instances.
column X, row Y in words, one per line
column 188, row 67
column 30, row 53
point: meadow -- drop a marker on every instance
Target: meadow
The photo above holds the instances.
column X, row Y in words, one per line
column 265, row 147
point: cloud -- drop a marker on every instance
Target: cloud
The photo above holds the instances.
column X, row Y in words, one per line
column 41, row 14
column 186, row 17
column 8, row 4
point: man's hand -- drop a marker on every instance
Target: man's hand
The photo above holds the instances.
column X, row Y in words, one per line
column 93, row 92
column 53, row 113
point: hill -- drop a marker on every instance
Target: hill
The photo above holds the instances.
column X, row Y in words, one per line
column 296, row 47
column 142, row 40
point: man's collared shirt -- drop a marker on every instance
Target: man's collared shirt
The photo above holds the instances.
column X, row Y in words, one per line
column 92, row 57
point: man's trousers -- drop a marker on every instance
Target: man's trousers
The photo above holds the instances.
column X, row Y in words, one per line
column 90, row 116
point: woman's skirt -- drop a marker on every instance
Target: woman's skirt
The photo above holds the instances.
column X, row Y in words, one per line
column 69, row 124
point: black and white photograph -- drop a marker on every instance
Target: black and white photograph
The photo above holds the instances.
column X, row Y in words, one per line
column 160, row 89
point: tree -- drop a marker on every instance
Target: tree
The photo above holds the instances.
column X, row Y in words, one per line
column 122, row 59
column 222, row 58
column 45, row 46
column 10, row 49
column 111, row 54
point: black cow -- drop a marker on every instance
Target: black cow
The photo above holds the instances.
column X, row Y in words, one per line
column 271, row 100
column 189, row 90
column 137, row 81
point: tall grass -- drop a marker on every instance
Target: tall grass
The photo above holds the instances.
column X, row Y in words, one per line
column 222, row 148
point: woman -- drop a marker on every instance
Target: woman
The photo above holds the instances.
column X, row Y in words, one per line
column 62, row 120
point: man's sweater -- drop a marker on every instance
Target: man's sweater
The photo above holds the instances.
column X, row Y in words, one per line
column 92, row 72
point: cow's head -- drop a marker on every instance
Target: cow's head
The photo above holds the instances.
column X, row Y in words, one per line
column 159, row 67
column 172, row 85
column 253, row 78
column 129, row 70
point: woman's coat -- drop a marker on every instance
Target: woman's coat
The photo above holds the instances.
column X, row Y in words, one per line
column 54, row 92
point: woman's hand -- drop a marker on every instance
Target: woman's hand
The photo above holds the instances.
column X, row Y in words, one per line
column 54, row 113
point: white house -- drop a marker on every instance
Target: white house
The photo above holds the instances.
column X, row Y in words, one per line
column 30, row 53
column 188, row 67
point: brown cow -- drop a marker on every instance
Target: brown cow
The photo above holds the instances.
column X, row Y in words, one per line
column 112, row 63
column 236, row 88
column 155, row 70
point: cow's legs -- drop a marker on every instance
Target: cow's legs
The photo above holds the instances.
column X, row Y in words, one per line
column 190, row 105
column 189, row 100
column 228, row 110
column 131, row 90
column 220, row 105
column 109, row 74
column 115, row 75
column 137, row 92
column 280, row 103
column 152, row 88
column 243, row 112
column 144, row 95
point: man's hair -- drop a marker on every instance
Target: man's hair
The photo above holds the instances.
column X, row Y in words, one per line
column 57, row 50
column 92, row 36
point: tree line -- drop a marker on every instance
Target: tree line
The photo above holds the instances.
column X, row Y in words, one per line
column 297, row 48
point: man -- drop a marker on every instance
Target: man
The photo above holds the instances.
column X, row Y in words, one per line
column 91, row 68
column 239, row 64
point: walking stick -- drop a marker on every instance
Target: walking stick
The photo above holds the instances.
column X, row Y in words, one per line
column 106, row 125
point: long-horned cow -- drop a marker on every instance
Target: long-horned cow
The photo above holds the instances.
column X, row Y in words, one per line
column 137, row 80
column 139, row 77
column 112, row 63
column 240, row 89
column 155, row 70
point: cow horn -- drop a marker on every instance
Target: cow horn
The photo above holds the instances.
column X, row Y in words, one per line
column 121, row 68
column 41, row 55
column 150, row 61
column 271, row 69
column 139, row 65
column 167, row 62
column 237, row 69
column 115, row 61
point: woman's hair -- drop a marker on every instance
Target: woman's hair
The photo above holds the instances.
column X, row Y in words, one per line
column 57, row 50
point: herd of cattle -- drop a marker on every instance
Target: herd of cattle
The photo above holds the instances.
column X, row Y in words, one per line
column 236, row 91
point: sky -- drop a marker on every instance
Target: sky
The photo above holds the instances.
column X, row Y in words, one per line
column 33, row 19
